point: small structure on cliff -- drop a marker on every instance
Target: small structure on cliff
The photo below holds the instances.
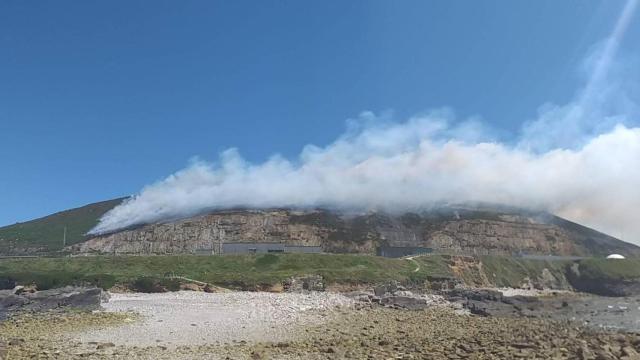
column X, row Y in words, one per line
column 447, row 230
column 249, row 248
column 401, row 251
column 615, row 257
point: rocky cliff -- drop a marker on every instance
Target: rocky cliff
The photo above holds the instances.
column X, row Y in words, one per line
column 456, row 230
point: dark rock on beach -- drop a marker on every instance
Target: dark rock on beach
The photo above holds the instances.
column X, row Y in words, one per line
column 67, row 297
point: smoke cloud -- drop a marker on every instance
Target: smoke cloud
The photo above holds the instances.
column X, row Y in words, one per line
column 409, row 166
column 579, row 160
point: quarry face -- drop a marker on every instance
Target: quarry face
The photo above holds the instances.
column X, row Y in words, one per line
column 459, row 231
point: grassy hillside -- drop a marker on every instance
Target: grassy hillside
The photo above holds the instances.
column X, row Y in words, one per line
column 260, row 271
column 606, row 277
column 46, row 234
column 504, row 271
column 598, row 270
column 241, row 271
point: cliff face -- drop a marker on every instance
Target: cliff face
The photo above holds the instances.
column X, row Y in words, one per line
column 449, row 230
column 207, row 232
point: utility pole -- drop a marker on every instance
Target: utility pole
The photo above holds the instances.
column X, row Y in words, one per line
column 64, row 237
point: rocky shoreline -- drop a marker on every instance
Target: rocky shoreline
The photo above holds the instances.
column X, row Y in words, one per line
column 386, row 322
column 597, row 312
column 21, row 299
column 367, row 333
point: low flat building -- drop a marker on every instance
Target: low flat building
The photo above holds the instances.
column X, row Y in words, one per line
column 302, row 249
column 401, row 251
column 261, row 248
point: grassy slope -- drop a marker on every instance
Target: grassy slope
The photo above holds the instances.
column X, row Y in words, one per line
column 251, row 271
column 47, row 232
column 511, row 272
column 607, row 270
column 505, row 271
column 230, row 270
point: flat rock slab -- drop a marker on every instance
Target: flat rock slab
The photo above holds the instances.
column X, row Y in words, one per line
column 66, row 297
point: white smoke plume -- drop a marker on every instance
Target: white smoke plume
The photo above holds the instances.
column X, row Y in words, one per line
column 580, row 160
column 407, row 166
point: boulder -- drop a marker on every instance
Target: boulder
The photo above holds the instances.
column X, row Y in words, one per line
column 475, row 294
column 72, row 297
column 443, row 283
column 388, row 288
column 7, row 283
column 304, row 283
column 404, row 302
column 190, row 287
column 380, row 290
column 486, row 302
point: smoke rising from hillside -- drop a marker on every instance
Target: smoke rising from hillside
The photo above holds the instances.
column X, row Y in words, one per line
column 580, row 160
column 406, row 167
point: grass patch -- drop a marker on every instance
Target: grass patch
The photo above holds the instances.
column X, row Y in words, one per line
column 605, row 270
column 46, row 234
column 506, row 271
column 239, row 271
column 433, row 266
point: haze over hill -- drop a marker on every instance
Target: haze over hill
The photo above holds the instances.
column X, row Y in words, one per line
column 409, row 167
column 578, row 160
column 477, row 229
column 468, row 229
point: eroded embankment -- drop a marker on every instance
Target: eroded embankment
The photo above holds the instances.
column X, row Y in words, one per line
column 597, row 276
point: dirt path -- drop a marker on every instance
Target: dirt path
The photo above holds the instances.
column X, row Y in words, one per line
column 412, row 259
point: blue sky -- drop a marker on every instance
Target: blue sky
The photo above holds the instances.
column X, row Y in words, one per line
column 98, row 99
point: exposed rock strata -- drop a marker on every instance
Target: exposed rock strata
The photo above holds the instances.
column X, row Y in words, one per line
column 459, row 231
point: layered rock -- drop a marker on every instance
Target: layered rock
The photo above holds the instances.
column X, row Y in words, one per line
column 208, row 233
column 460, row 231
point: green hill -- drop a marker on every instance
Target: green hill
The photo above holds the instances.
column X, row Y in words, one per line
column 46, row 234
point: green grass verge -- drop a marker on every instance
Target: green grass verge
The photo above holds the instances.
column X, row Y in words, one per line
column 237, row 271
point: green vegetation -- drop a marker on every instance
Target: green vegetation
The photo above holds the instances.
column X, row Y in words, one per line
column 504, row 271
column 148, row 273
column 46, row 234
column 147, row 284
column 236, row 271
column 433, row 266
column 598, row 269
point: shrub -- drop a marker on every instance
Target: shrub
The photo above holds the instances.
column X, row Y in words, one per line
column 170, row 284
column 104, row 281
column 145, row 285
